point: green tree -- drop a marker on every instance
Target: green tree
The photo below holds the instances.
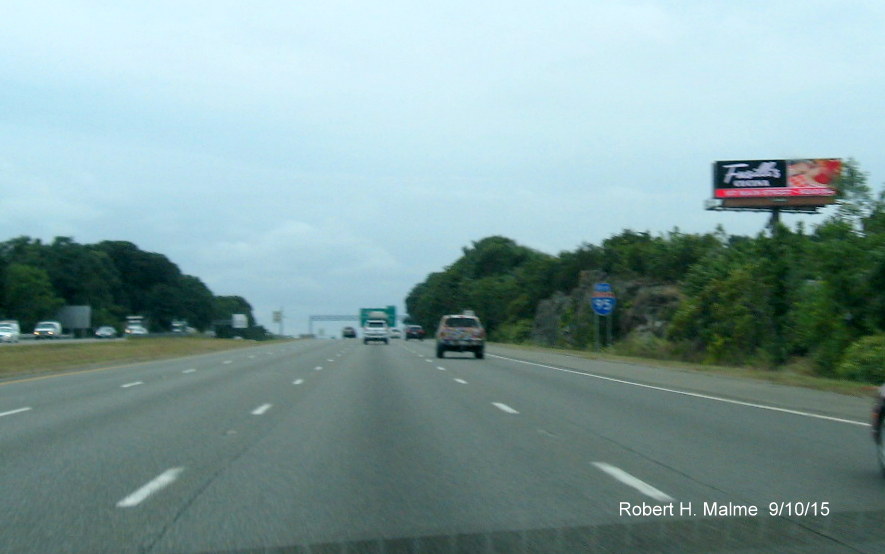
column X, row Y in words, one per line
column 225, row 306
column 80, row 274
column 139, row 272
column 441, row 293
column 488, row 278
column 854, row 200
column 29, row 296
column 196, row 302
column 728, row 318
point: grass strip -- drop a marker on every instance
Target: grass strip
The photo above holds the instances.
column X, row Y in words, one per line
column 69, row 355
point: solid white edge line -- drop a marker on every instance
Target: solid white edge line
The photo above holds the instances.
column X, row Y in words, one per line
column 260, row 410
column 504, row 408
column 163, row 480
column 692, row 394
column 18, row 411
column 631, row 481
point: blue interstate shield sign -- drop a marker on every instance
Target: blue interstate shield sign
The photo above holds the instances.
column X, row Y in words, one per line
column 603, row 300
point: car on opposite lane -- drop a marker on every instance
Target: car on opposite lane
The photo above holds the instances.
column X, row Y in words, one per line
column 105, row 332
column 47, row 330
column 9, row 331
column 136, row 331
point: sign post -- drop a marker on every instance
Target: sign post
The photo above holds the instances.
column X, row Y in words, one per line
column 603, row 302
column 278, row 318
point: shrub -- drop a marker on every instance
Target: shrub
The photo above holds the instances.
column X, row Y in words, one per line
column 516, row 332
column 864, row 360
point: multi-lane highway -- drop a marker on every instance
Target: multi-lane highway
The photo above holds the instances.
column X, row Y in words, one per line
column 336, row 446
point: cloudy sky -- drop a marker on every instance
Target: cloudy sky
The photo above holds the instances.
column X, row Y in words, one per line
column 327, row 156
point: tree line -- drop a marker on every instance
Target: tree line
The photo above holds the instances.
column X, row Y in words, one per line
column 811, row 298
column 115, row 278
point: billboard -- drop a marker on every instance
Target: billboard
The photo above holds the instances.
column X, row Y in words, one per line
column 776, row 183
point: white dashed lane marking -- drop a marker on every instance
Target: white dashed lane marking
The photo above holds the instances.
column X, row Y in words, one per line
column 158, row 483
column 631, row 481
column 18, row 411
column 261, row 410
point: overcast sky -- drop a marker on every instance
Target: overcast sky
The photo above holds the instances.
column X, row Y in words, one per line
column 325, row 156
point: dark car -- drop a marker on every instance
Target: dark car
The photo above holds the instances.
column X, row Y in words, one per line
column 348, row 333
column 414, row 332
column 461, row 333
column 878, row 416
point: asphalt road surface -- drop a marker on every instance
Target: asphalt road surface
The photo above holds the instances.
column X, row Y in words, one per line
column 336, row 446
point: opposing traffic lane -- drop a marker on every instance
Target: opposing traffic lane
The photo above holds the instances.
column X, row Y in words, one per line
column 89, row 442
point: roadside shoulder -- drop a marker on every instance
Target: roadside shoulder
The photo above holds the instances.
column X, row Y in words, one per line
column 730, row 387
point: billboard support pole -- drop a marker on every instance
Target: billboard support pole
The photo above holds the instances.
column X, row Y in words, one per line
column 775, row 218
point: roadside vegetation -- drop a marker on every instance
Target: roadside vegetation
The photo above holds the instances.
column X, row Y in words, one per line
column 115, row 278
column 797, row 301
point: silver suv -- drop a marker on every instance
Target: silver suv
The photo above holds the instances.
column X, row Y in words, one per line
column 376, row 330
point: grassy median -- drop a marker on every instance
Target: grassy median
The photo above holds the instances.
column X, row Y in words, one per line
column 16, row 360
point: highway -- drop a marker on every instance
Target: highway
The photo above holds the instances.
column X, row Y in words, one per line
column 336, row 446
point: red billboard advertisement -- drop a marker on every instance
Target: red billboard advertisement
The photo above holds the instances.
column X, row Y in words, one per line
column 757, row 183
